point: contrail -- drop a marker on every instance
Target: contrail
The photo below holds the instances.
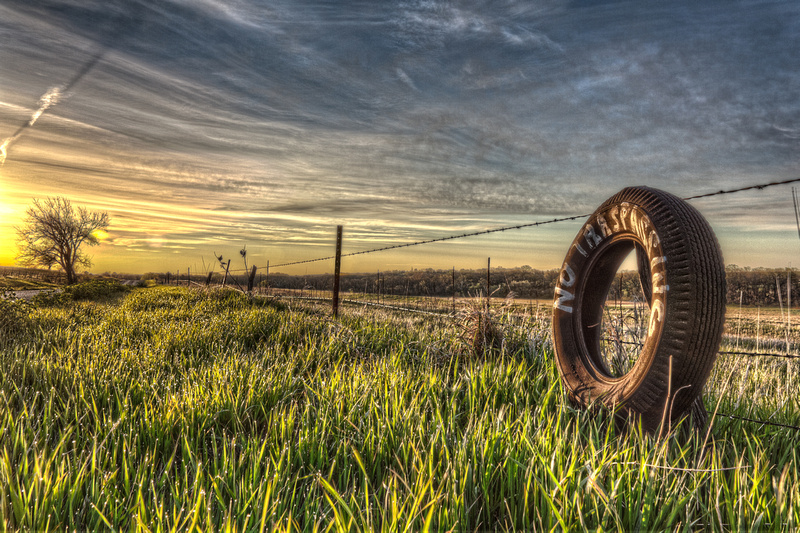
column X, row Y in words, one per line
column 48, row 99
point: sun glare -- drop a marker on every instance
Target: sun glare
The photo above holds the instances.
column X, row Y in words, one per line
column 100, row 234
column 10, row 216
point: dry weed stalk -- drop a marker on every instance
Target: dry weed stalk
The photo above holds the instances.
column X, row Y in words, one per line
column 481, row 334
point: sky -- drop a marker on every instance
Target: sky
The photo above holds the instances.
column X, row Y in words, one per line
column 206, row 126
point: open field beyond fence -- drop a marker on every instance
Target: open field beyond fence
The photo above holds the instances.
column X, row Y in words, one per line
column 174, row 408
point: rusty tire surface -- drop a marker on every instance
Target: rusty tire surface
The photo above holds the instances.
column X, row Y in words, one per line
column 679, row 254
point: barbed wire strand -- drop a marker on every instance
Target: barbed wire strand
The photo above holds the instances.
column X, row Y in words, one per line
column 722, row 352
column 763, row 422
column 440, row 239
column 759, row 187
column 443, row 314
column 748, row 188
column 761, row 354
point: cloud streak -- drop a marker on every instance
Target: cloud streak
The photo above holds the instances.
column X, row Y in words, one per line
column 48, row 99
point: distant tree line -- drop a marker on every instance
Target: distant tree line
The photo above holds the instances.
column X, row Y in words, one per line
column 755, row 286
column 759, row 286
column 521, row 282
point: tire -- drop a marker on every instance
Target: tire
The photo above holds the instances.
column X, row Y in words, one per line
column 683, row 278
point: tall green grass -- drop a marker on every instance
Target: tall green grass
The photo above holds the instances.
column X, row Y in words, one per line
column 167, row 409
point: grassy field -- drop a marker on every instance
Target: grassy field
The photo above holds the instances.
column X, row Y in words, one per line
column 174, row 409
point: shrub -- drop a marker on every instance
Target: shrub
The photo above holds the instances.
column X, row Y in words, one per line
column 96, row 289
column 13, row 315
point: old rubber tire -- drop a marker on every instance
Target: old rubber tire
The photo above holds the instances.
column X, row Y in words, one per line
column 687, row 305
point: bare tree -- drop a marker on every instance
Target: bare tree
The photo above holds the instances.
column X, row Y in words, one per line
column 53, row 233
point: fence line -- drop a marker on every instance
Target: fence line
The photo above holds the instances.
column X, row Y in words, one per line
column 759, row 187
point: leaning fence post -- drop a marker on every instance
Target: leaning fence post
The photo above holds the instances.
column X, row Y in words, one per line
column 336, row 271
column 251, row 280
column 225, row 279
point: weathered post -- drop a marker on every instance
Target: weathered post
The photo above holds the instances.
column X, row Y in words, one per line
column 251, row 280
column 225, row 279
column 188, row 276
column 208, row 279
column 488, row 282
column 336, row 271
column 788, row 307
column 454, row 290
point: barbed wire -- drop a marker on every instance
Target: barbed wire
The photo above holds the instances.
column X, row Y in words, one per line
column 439, row 239
column 748, row 188
column 721, row 352
column 761, row 354
column 443, row 313
column 759, row 187
column 762, row 422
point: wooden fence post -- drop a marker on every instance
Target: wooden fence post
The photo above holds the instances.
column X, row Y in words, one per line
column 788, row 307
column 454, row 290
column 337, row 271
column 251, row 280
column 208, row 279
column 225, row 279
column 488, row 282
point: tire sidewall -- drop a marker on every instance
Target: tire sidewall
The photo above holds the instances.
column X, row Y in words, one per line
column 603, row 238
